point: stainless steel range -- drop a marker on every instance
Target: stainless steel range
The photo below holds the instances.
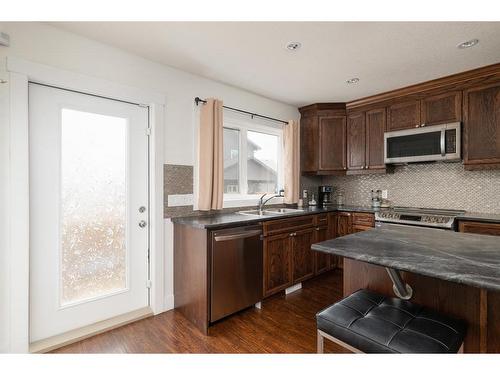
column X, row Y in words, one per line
column 425, row 217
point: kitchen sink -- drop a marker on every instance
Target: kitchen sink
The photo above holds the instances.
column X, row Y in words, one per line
column 270, row 212
column 284, row 210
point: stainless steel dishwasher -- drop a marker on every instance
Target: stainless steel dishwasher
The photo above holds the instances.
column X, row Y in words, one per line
column 236, row 270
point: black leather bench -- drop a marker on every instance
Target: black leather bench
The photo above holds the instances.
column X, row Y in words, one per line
column 367, row 322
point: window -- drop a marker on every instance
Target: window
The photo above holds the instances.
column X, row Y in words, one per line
column 252, row 159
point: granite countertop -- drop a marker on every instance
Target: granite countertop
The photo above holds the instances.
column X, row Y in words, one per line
column 225, row 219
column 477, row 216
column 222, row 219
column 464, row 258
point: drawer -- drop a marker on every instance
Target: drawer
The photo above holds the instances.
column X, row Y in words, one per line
column 476, row 227
column 288, row 224
column 321, row 219
column 363, row 219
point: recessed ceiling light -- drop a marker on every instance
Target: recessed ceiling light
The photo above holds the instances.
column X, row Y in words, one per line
column 469, row 43
column 352, row 80
column 292, row 46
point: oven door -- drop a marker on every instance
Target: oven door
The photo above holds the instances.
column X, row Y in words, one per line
column 433, row 143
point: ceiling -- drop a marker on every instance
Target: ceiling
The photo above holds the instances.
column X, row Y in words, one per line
column 252, row 55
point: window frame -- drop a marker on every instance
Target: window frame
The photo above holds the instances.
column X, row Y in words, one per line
column 243, row 125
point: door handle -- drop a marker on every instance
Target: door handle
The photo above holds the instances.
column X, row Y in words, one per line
column 442, row 143
column 142, row 224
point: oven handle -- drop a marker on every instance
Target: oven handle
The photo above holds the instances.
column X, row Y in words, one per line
column 443, row 147
column 237, row 236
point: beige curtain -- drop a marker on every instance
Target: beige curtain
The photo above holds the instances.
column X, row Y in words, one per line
column 291, row 161
column 210, row 156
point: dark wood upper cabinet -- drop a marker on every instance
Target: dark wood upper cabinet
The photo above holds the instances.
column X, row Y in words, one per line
column 365, row 141
column 442, row 108
column 375, row 127
column 309, row 140
column 356, row 141
column 323, row 139
column 482, row 127
column 405, row 115
column 332, row 135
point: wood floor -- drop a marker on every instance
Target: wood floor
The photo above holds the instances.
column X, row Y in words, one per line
column 285, row 324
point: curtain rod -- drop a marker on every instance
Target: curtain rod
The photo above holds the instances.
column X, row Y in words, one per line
column 197, row 100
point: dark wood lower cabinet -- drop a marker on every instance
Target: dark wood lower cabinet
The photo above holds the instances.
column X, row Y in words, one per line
column 344, row 223
column 322, row 262
column 477, row 227
column 303, row 256
column 277, row 263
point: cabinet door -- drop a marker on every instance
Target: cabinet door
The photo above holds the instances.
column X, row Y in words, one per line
column 375, row 127
column 482, row 126
column 277, row 263
column 303, row 259
column 491, row 229
column 321, row 260
column 360, row 228
column 404, row 115
column 356, row 141
column 332, row 139
column 442, row 108
column 309, row 141
column 344, row 223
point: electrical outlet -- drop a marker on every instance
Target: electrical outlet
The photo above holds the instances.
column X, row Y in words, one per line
column 384, row 194
column 176, row 200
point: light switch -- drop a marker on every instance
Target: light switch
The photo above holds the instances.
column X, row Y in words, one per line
column 384, row 194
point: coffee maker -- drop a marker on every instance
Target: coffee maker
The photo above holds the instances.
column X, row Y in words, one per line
column 325, row 196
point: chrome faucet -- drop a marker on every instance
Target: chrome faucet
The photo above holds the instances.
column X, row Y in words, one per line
column 262, row 202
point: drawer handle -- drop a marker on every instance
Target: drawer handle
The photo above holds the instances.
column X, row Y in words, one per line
column 237, row 236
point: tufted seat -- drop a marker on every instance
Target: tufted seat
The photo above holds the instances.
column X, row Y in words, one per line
column 372, row 323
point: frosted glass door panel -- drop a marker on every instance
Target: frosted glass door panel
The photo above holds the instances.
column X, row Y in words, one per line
column 89, row 213
column 93, row 205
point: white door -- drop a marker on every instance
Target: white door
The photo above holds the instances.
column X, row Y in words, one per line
column 88, row 209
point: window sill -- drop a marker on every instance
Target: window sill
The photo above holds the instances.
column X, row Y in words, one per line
column 247, row 201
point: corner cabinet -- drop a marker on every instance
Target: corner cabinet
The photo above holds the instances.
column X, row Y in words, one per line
column 323, row 139
column 482, row 127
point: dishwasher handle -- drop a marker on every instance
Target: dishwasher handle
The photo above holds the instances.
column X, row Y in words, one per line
column 237, row 236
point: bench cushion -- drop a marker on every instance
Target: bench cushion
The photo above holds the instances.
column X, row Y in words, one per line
column 374, row 323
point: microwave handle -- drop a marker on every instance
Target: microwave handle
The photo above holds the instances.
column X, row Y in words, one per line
column 443, row 147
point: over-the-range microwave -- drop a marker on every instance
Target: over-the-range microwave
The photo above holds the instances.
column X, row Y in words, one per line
column 425, row 143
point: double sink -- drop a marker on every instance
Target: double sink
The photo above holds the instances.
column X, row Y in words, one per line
column 270, row 212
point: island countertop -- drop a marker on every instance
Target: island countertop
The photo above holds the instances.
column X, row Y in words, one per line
column 463, row 258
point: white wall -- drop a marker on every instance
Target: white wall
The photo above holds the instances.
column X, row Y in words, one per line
column 48, row 45
column 4, row 160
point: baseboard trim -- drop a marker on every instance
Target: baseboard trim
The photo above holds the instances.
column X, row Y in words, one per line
column 58, row 341
column 293, row 288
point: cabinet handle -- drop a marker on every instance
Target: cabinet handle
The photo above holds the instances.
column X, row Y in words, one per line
column 422, row 125
column 417, row 126
column 317, row 228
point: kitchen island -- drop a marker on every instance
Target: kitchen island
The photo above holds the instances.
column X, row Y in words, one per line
column 457, row 274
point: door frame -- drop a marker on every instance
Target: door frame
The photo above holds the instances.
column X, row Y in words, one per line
column 20, row 72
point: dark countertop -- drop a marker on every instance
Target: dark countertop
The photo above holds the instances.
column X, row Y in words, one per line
column 226, row 219
column 476, row 216
column 220, row 220
column 471, row 259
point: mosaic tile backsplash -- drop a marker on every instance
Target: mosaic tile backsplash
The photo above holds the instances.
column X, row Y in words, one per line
column 438, row 185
